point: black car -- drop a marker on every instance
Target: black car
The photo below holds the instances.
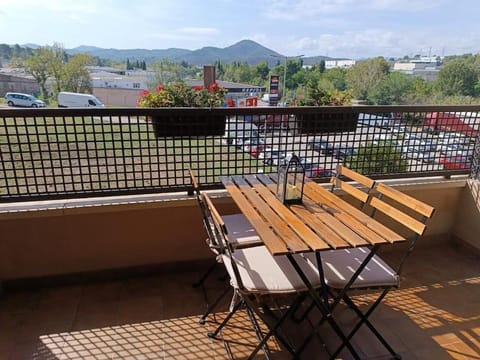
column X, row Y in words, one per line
column 320, row 145
column 343, row 151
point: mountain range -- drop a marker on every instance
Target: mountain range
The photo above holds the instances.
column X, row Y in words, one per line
column 247, row 51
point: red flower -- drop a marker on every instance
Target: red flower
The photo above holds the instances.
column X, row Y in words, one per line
column 198, row 88
column 144, row 93
column 160, row 87
column 213, row 87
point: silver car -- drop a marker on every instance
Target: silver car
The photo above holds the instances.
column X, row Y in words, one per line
column 24, row 100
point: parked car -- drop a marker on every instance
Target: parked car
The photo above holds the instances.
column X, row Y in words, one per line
column 320, row 145
column 317, row 171
column 343, row 151
column 456, row 162
column 23, row 100
column 272, row 156
column 254, row 146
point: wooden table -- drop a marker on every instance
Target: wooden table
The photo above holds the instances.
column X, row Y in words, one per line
column 323, row 222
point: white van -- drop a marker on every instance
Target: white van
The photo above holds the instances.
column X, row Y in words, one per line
column 70, row 99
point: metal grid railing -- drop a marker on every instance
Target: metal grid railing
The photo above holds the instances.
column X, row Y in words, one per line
column 64, row 153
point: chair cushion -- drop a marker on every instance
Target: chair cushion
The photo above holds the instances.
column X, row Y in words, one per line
column 264, row 273
column 240, row 231
column 340, row 265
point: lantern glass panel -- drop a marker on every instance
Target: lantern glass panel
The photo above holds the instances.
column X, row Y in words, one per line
column 291, row 178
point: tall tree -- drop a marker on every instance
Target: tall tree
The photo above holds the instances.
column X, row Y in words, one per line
column 58, row 58
column 458, row 77
column 38, row 66
column 76, row 77
column 365, row 75
column 391, row 89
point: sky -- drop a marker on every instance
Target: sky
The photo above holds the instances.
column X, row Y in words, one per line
column 352, row 29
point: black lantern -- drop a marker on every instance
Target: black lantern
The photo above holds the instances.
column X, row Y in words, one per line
column 291, row 178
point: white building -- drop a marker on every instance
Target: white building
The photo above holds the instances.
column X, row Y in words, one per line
column 346, row 63
column 425, row 67
column 136, row 80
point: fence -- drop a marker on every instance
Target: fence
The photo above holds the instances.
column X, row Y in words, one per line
column 66, row 153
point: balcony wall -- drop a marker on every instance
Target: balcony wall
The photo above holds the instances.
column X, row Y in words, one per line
column 74, row 236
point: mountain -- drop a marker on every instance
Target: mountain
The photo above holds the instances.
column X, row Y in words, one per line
column 243, row 51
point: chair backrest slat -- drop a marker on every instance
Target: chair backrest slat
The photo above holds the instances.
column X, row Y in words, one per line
column 398, row 215
column 349, row 189
column 217, row 219
column 359, row 193
column 355, row 176
column 406, row 200
column 413, row 205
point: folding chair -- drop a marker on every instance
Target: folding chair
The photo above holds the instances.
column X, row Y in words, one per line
column 259, row 280
column 340, row 265
column 242, row 235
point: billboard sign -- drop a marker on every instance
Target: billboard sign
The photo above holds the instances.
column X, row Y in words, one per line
column 273, row 98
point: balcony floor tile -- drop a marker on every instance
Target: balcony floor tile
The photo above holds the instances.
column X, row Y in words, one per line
column 435, row 314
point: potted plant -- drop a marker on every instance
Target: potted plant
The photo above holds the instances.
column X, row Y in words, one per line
column 185, row 123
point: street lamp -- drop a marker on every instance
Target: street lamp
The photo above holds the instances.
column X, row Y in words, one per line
column 284, row 90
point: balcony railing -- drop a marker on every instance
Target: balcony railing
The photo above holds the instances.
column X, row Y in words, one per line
column 64, row 153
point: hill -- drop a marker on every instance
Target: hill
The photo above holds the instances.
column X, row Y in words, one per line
column 244, row 51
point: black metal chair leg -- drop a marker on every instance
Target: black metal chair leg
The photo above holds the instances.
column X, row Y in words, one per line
column 224, row 322
column 204, row 277
column 212, row 306
column 364, row 320
column 260, row 336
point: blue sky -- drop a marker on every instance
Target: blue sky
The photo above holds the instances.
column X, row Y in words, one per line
column 338, row 28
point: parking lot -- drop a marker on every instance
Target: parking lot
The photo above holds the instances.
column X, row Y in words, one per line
column 422, row 151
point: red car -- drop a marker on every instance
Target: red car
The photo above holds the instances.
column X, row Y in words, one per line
column 456, row 162
column 317, row 172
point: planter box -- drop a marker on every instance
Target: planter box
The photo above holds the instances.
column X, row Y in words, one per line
column 326, row 122
column 191, row 125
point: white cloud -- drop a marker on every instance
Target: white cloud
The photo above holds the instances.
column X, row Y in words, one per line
column 307, row 9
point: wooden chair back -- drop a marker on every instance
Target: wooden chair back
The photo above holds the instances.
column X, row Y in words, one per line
column 360, row 192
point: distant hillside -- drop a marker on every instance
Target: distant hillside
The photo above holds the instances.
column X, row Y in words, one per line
column 244, row 51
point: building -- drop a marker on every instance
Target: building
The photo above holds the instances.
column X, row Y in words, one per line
column 18, row 83
column 345, row 63
column 117, row 89
column 425, row 67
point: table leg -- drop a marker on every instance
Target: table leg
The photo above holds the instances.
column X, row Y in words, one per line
column 324, row 309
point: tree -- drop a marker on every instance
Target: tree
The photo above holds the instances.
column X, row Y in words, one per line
column 58, row 58
column 365, row 75
column 383, row 157
column 337, row 77
column 457, row 77
column 392, row 89
column 75, row 75
column 38, row 66
column 319, row 94
column 262, row 70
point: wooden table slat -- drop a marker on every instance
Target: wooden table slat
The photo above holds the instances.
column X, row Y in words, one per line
column 336, row 209
column 379, row 228
column 269, row 238
column 299, row 227
column 287, row 235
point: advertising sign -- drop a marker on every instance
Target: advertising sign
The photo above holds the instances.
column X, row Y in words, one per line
column 273, row 98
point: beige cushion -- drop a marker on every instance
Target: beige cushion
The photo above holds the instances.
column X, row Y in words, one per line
column 240, row 231
column 340, row 265
column 264, row 273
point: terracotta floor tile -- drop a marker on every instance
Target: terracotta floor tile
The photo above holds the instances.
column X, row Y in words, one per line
column 434, row 315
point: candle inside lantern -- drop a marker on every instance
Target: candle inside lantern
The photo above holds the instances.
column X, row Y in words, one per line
column 291, row 192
